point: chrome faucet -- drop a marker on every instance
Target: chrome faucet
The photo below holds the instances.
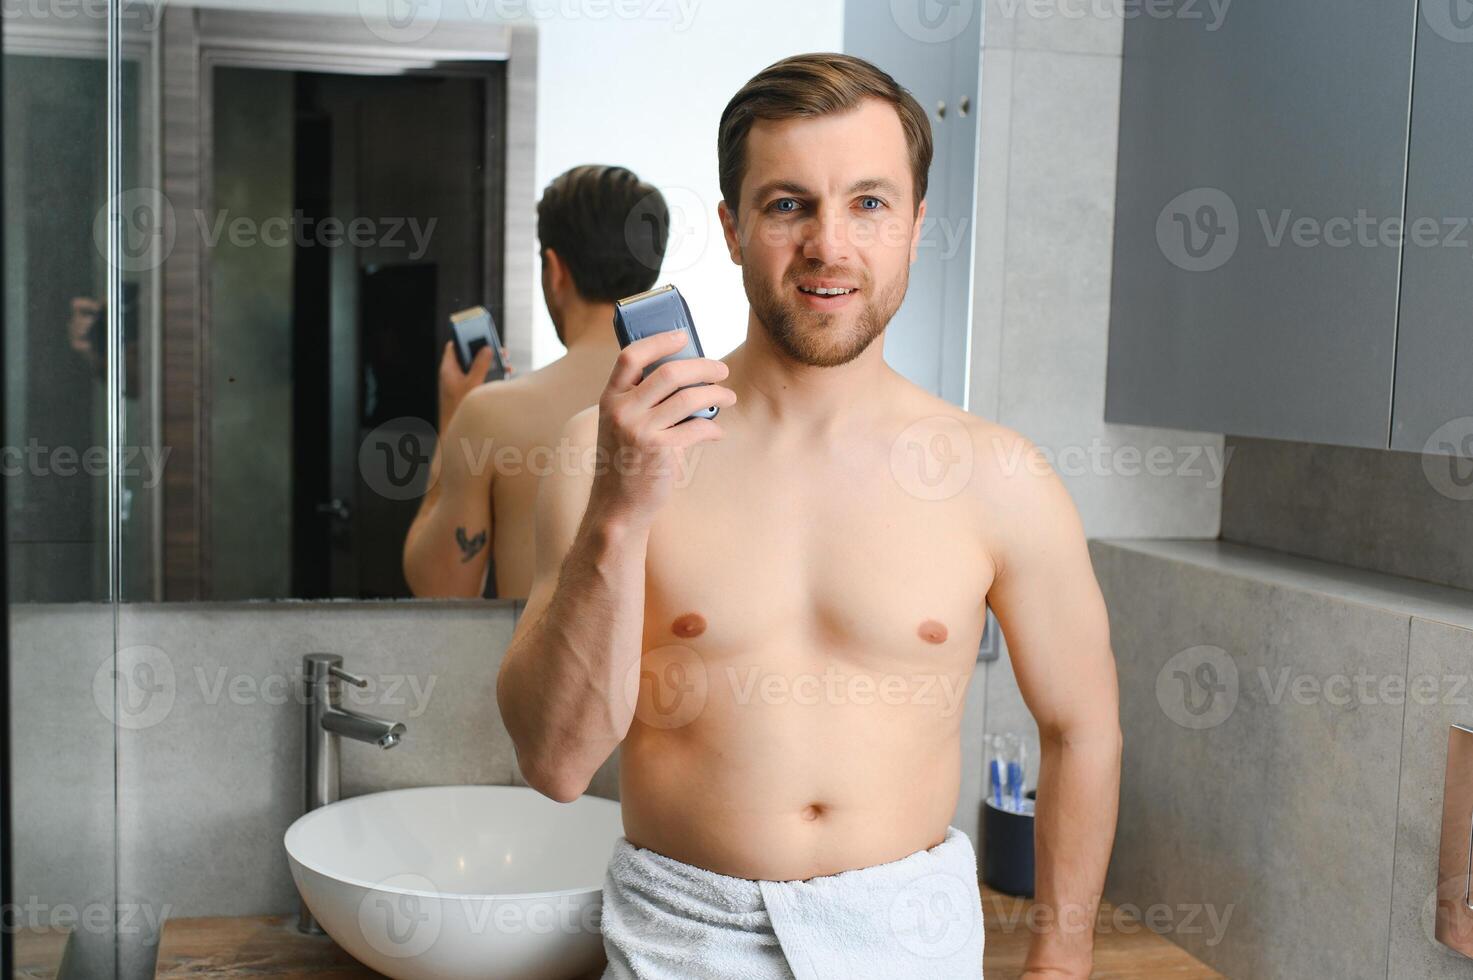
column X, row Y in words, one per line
column 326, row 720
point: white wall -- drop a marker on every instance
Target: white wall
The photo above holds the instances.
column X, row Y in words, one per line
column 647, row 94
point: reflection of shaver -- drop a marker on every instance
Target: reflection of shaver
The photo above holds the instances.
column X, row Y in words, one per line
column 656, row 311
column 473, row 329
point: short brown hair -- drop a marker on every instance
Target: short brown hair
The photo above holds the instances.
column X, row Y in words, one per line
column 814, row 85
column 609, row 227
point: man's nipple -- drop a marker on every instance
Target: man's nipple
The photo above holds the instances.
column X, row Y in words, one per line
column 690, row 625
column 932, row 631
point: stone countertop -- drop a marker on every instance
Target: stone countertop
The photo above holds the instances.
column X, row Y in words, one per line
column 234, row 948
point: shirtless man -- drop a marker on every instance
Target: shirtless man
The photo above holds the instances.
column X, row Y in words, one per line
column 698, row 580
column 495, row 439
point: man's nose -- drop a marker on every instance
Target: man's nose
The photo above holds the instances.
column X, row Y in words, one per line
column 827, row 237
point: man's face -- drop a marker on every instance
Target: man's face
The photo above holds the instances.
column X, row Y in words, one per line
column 826, row 204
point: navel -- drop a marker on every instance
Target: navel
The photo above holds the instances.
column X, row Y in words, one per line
column 932, row 631
column 812, row 811
column 689, row 625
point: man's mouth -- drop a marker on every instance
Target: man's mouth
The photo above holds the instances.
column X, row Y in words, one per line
column 827, row 298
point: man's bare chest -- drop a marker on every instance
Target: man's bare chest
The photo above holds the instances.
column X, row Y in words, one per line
column 815, row 560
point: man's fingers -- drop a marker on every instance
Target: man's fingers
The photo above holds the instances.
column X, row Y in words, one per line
column 673, row 375
column 693, row 431
column 685, row 402
column 630, row 364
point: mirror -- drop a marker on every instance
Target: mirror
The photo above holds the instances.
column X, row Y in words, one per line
column 329, row 190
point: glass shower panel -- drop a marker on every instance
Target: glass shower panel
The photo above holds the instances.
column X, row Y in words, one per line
column 62, row 709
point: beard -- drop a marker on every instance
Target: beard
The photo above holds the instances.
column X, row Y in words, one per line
column 815, row 338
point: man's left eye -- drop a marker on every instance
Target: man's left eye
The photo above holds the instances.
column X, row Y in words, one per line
column 871, row 203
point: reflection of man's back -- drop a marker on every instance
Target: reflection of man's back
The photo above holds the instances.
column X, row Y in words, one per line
column 475, row 528
column 512, row 429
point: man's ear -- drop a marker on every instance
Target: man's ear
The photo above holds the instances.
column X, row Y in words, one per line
column 557, row 272
column 915, row 235
column 729, row 231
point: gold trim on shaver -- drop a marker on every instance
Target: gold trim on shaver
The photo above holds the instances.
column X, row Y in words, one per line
column 644, row 295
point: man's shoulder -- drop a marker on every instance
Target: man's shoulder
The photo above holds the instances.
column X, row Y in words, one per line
column 498, row 404
column 991, row 450
column 582, row 426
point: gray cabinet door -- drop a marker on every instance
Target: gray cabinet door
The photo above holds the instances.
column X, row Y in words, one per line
column 1433, row 409
column 933, row 49
column 1249, row 294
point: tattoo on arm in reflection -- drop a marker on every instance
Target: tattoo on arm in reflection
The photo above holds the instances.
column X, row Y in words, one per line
column 469, row 547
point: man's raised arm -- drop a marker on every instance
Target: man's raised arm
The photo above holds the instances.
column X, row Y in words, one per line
column 1053, row 617
column 564, row 688
column 449, row 543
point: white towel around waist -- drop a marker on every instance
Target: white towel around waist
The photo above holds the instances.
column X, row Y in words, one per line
column 916, row 918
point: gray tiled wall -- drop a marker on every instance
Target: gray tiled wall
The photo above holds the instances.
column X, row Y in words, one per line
column 1293, row 791
column 209, row 746
column 212, row 777
column 1442, row 651
column 1402, row 513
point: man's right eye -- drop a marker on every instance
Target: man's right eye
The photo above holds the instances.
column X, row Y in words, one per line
column 781, row 205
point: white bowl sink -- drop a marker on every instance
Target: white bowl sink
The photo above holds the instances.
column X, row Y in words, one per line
column 450, row 882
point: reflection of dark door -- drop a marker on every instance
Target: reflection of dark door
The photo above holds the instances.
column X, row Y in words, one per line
column 406, row 155
column 313, row 522
column 397, row 390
